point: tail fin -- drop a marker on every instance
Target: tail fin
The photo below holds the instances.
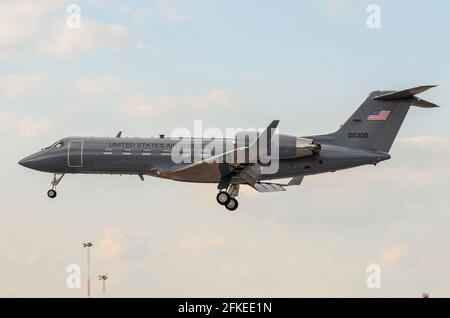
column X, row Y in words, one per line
column 376, row 122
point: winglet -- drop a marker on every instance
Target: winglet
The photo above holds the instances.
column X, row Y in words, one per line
column 268, row 133
column 273, row 124
column 408, row 95
column 270, row 130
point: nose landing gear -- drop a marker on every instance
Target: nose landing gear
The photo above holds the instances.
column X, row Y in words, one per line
column 56, row 179
column 227, row 197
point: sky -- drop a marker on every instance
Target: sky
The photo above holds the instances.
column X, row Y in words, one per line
column 148, row 67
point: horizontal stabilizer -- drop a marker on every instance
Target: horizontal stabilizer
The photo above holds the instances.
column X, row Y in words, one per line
column 408, row 95
column 405, row 94
column 423, row 103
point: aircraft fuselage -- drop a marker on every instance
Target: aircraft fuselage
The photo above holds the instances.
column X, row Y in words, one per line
column 149, row 156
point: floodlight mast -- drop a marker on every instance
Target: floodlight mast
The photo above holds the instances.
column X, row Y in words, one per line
column 103, row 278
column 88, row 245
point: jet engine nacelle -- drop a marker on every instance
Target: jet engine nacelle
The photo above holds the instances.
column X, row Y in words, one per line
column 295, row 147
column 289, row 147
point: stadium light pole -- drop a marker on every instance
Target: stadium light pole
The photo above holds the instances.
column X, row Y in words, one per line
column 103, row 278
column 88, row 245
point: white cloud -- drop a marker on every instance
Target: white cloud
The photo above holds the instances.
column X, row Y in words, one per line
column 66, row 43
column 138, row 106
column 336, row 7
column 150, row 50
column 425, row 143
column 164, row 11
column 23, row 125
column 199, row 242
column 40, row 27
column 15, row 85
column 137, row 15
column 169, row 14
column 105, row 84
column 98, row 3
column 395, row 254
column 21, row 21
column 339, row 8
column 127, row 245
column 22, row 259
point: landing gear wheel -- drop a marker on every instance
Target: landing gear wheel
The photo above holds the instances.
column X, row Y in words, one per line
column 223, row 198
column 51, row 194
column 232, row 204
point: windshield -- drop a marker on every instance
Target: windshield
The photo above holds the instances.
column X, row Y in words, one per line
column 57, row 144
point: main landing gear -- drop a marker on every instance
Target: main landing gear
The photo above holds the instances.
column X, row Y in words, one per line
column 56, row 179
column 227, row 197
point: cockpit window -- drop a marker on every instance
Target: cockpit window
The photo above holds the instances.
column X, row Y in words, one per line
column 57, row 144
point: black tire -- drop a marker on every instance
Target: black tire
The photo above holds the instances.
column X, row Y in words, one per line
column 51, row 194
column 223, row 198
column 232, row 205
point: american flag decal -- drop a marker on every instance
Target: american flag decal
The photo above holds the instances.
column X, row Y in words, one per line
column 378, row 115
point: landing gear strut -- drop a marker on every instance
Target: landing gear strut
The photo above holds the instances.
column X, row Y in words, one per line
column 56, row 179
column 227, row 197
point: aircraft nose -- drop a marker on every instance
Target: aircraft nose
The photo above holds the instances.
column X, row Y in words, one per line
column 29, row 162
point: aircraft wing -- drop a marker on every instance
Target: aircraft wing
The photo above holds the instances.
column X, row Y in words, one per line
column 226, row 164
column 208, row 169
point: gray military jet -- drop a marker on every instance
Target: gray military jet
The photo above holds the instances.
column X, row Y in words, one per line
column 365, row 138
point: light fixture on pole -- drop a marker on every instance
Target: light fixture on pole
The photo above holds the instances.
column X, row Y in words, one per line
column 103, row 278
column 88, row 245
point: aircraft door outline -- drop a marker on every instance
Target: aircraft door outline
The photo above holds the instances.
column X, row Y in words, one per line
column 75, row 154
